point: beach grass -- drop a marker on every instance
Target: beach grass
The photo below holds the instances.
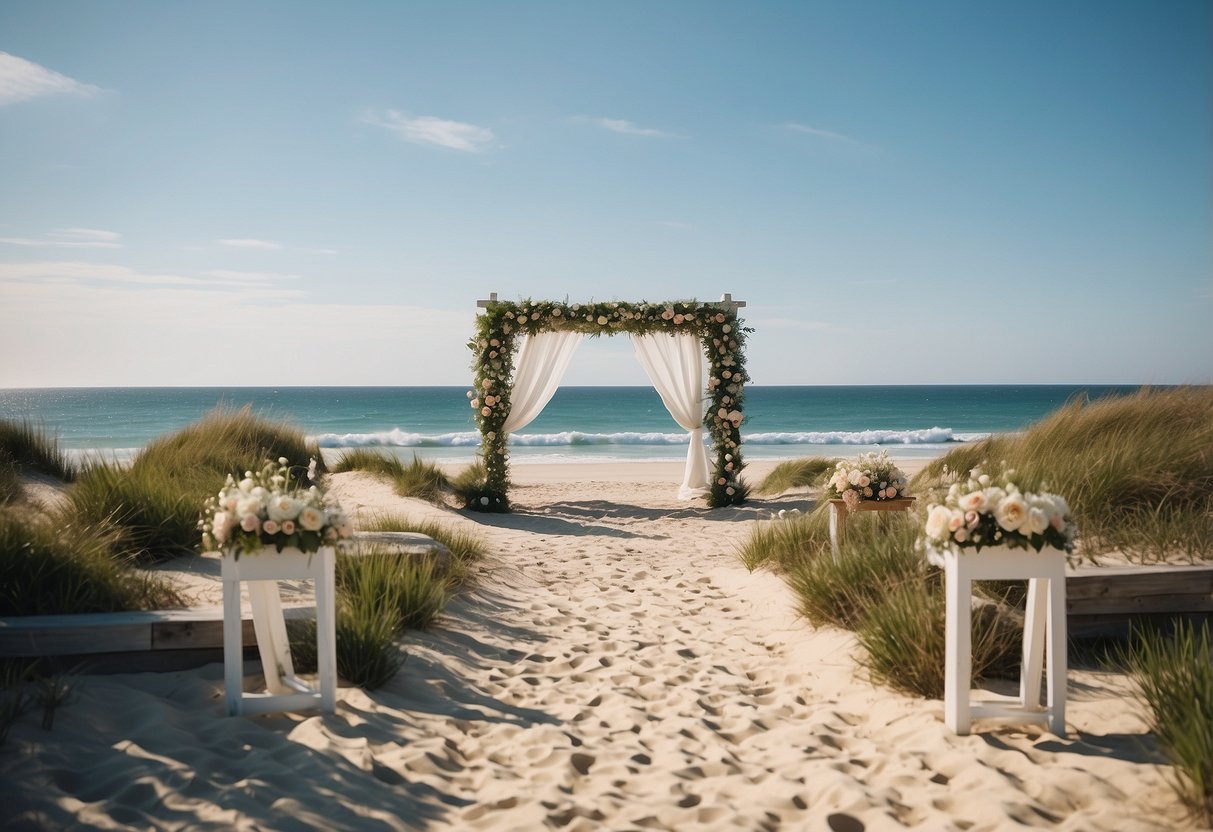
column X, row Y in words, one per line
column 51, row 566
column 10, row 482
column 810, row 472
column 417, row 478
column 783, row 543
column 1136, row 470
column 155, row 502
column 1174, row 676
column 28, row 447
column 873, row 562
column 903, row 636
column 466, row 548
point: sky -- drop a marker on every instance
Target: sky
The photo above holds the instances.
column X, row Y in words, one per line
column 302, row 193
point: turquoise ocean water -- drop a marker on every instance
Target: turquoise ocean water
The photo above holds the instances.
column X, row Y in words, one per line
column 580, row 423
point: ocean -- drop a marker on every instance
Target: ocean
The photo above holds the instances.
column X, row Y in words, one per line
column 580, row 424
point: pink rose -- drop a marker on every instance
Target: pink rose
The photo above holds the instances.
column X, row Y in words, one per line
column 288, row 526
column 270, row 527
column 250, row 523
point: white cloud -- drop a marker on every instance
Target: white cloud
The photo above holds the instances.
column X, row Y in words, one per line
column 75, row 271
column 825, row 134
column 456, row 135
column 68, row 238
column 21, row 80
column 250, row 243
column 619, row 125
column 248, row 278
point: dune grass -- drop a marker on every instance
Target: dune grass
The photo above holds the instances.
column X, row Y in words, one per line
column 417, row 478
column 780, row 544
column 1136, row 470
column 30, row 448
column 48, row 566
column 873, row 562
column 154, row 503
column 466, row 548
column 797, row 473
column 1174, row 676
column 10, row 482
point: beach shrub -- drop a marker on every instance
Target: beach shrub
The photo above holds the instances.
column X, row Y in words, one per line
column 875, row 559
column 1174, row 676
column 903, row 636
column 468, row 484
column 776, row 544
column 152, row 519
column 155, row 502
column 369, row 600
column 52, row 566
column 418, row 478
column 1136, row 470
column 810, row 472
column 417, row 587
column 10, row 482
column 466, row 547
column 30, row 448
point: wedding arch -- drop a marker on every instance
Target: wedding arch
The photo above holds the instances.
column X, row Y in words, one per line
column 523, row 349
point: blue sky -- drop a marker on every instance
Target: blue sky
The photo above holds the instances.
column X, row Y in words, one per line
column 300, row 193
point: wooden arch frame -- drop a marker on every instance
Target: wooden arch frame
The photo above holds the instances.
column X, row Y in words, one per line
column 716, row 324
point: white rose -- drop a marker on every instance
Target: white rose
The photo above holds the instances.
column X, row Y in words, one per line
column 854, row 477
column 973, row 501
column 1037, row 521
column 311, row 518
column 249, row 505
column 1011, row 512
column 219, row 527
column 282, row 508
column 937, row 522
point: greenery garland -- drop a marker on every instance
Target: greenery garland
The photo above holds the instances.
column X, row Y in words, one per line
column 497, row 332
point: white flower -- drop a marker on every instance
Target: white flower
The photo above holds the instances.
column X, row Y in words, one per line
column 973, row 501
column 1011, row 512
column 250, row 522
column 311, row 519
column 219, row 527
column 283, row 507
column 937, row 522
column 1036, row 522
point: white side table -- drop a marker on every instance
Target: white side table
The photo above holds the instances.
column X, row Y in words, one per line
column 285, row 691
column 1044, row 634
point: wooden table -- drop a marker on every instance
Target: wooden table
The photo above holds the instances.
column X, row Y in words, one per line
column 839, row 512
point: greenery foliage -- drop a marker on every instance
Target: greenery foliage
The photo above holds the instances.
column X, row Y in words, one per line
column 155, row 501
column 1137, row 471
column 466, row 547
column 28, row 447
column 418, row 478
column 495, row 343
column 1174, row 677
column 51, row 565
column 797, row 473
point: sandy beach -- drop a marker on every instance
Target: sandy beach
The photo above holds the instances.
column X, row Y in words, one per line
column 614, row 667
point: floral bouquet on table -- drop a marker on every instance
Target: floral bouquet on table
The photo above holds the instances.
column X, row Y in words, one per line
column 871, row 476
column 982, row 512
column 266, row 509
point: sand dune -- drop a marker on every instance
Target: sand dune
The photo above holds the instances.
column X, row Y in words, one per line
column 615, row 669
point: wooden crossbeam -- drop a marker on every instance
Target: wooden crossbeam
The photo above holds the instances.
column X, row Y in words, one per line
column 725, row 300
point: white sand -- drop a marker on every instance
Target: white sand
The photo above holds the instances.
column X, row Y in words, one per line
column 615, row 669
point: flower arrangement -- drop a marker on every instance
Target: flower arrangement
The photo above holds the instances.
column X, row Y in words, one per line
column 871, row 476
column 982, row 512
column 717, row 326
column 266, row 509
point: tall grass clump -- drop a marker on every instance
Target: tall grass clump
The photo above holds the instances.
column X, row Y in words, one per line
column 778, row 544
column 873, row 562
column 903, row 636
column 52, row 567
column 30, row 448
column 155, row 502
column 1174, row 677
column 1136, row 470
column 797, row 473
column 466, row 547
column 10, row 481
column 416, row 588
column 418, row 478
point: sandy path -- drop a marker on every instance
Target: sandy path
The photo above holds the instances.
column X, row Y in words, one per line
column 616, row 669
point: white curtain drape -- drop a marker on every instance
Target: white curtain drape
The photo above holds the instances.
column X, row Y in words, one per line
column 676, row 367
column 538, row 369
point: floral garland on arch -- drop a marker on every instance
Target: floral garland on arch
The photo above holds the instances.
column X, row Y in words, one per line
column 716, row 324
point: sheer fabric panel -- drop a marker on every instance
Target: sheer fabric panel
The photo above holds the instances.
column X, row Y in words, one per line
column 676, row 367
column 538, row 368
